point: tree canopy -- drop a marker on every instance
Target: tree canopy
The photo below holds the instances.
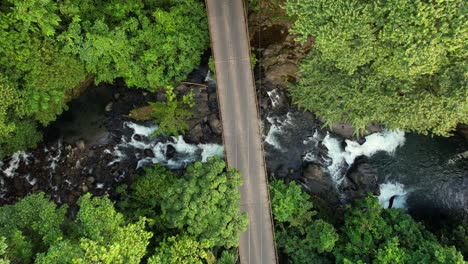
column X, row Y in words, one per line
column 155, row 221
column 402, row 63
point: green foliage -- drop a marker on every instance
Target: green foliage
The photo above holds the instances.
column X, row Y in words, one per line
column 171, row 115
column 3, row 247
column 198, row 210
column 290, row 204
column 297, row 234
column 31, row 225
column 369, row 233
column 144, row 196
column 147, row 44
column 35, row 229
column 402, row 63
column 180, row 250
column 227, row 258
column 205, row 203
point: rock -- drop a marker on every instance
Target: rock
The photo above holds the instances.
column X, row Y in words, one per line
column 281, row 74
column 215, row 124
column 161, row 96
column 144, row 93
column 90, row 180
column 316, row 181
column 195, row 134
column 360, row 180
column 278, row 98
column 347, row 131
column 462, row 129
column 141, row 113
column 201, row 109
column 84, row 188
column 170, row 151
column 80, row 144
column 148, row 153
column 108, row 107
column 181, row 89
column 116, row 96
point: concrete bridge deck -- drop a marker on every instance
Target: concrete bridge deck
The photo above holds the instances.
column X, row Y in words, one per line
column 241, row 125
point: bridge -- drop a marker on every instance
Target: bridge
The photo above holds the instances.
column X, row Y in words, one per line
column 241, row 125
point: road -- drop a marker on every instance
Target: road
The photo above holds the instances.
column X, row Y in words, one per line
column 241, row 125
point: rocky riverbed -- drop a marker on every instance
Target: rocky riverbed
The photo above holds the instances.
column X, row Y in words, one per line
column 95, row 146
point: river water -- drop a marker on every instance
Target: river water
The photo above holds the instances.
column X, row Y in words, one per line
column 427, row 176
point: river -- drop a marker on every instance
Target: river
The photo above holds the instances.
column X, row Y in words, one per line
column 427, row 176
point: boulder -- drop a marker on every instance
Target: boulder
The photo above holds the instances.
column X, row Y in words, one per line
column 315, row 179
column 347, row 131
column 462, row 129
column 201, row 109
column 195, row 134
column 281, row 74
column 148, row 153
column 360, row 180
column 170, row 151
column 215, row 124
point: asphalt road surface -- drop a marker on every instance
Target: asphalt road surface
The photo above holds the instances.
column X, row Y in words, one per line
column 241, row 130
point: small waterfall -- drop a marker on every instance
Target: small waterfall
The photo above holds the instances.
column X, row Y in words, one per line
column 15, row 161
column 277, row 127
column 274, row 97
column 387, row 141
column 173, row 152
column 210, row 150
column 393, row 189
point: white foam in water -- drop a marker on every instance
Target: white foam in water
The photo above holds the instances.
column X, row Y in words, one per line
column 276, row 129
column 14, row 163
column 390, row 189
column 211, row 150
column 141, row 129
column 274, row 97
column 208, row 77
column 185, row 153
column 387, row 141
column 54, row 160
column 272, row 133
column 314, row 139
column 458, row 157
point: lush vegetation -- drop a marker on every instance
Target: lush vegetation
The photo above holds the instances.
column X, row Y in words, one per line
column 402, row 63
column 366, row 234
column 161, row 218
column 49, row 47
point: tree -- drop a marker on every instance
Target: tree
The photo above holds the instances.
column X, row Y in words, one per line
column 148, row 44
column 206, row 203
column 303, row 239
column 172, row 114
column 372, row 234
column 35, row 229
column 290, row 204
column 30, row 226
column 180, row 250
column 401, row 63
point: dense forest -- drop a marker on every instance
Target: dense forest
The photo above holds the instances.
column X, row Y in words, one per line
column 402, row 64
